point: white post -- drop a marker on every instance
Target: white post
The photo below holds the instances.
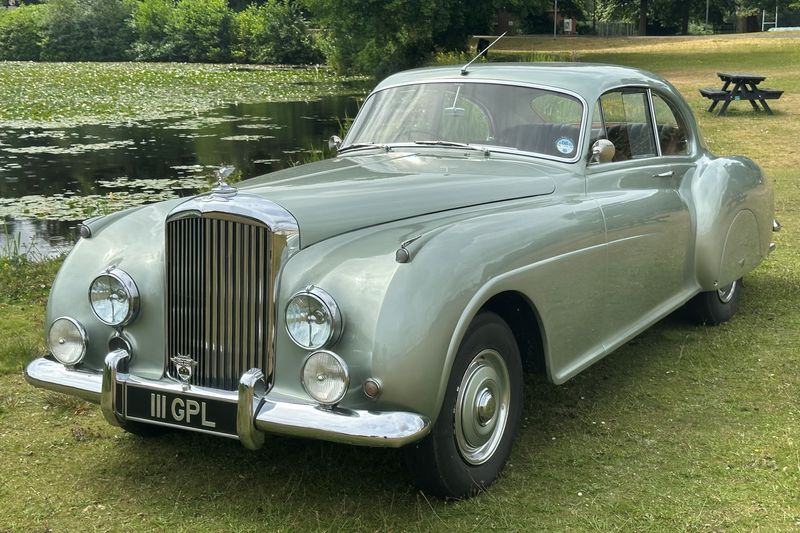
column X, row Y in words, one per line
column 555, row 17
column 707, row 1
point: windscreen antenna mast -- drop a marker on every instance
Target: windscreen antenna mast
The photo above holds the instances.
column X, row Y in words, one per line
column 465, row 67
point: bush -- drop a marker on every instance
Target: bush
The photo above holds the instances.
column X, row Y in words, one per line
column 273, row 33
column 201, row 30
column 152, row 21
column 87, row 30
column 21, row 33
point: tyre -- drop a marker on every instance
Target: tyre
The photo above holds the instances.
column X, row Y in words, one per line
column 471, row 440
column 718, row 306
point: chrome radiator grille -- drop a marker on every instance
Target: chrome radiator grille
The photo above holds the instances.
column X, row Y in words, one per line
column 218, row 298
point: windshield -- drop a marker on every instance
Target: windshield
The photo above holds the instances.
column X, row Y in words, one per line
column 479, row 114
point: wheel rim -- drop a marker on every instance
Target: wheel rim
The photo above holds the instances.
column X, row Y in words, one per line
column 482, row 407
column 725, row 294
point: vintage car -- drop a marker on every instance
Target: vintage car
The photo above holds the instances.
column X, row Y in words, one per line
column 474, row 224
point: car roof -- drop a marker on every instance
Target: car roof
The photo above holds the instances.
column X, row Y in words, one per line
column 586, row 79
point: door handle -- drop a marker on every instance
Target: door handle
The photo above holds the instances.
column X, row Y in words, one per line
column 667, row 174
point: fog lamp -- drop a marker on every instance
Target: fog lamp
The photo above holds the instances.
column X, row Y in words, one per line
column 114, row 297
column 67, row 341
column 325, row 377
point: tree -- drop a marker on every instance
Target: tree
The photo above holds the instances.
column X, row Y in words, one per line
column 379, row 37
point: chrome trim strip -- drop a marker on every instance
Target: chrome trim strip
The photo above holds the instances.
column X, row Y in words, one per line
column 50, row 375
column 654, row 123
column 112, row 374
column 259, row 210
column 274, row 413
column 250, row 437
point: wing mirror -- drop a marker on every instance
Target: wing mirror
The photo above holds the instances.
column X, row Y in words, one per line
column 602, row 151
column 334, row 142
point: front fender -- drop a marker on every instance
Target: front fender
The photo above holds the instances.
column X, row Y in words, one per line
column 404, row 321
column 135, row 243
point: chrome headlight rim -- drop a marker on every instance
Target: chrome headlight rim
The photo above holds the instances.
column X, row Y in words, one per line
column 334, row 316
column 345, row 371
column 131, row 290
column 84, row 339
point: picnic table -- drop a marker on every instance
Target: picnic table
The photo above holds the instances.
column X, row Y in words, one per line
column 745, row 87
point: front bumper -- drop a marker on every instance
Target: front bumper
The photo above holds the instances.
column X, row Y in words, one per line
column 256, row 413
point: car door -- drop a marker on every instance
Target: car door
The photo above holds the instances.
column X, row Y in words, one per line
column 648, row 223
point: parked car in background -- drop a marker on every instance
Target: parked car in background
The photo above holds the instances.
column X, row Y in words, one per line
column 474, row 223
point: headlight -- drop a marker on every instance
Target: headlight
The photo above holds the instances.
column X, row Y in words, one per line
column 67, row 340
column 114, row 297
column 325, row 377
column 313, row 319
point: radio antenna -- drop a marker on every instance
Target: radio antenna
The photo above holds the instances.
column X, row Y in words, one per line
column 465, row 67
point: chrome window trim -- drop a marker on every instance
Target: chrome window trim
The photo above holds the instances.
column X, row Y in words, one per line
column 653, row 124
column 498, row 149
column 681, row 118
column 133, row 295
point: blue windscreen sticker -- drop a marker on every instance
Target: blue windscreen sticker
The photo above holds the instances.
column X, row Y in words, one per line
column 565, row 145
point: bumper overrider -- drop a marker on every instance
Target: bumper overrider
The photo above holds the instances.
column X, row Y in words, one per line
column 245, row 414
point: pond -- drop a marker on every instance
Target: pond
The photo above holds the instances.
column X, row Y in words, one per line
column 51, row 179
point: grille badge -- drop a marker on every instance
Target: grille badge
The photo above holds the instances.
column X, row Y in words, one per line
column 184, row 365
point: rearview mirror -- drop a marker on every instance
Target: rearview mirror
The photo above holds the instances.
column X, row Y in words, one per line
column 334, row 142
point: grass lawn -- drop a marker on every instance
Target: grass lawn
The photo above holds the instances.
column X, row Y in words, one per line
column 683, row 429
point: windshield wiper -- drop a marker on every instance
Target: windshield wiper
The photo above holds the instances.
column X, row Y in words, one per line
column 363, row 145
column 454, row 144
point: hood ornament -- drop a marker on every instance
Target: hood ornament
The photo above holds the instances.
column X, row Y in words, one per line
column 184, row 365
column 222, row 189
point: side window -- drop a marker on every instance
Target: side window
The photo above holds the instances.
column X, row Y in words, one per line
column 627, row 124
column 671, row 130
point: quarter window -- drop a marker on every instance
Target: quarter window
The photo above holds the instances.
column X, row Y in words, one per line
column 671, row 130
column 627, row 124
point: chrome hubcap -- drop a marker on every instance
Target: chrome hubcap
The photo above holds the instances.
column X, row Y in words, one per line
column 726, row 293
column 485, row 407
column 482, row 404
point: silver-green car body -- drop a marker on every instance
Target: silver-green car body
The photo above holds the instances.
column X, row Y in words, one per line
column 412, row 241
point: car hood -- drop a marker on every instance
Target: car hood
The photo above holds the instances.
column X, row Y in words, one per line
column 339, row 195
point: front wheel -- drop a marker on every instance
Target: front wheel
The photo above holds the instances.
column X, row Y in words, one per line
column 471, row 440
column 716, row 307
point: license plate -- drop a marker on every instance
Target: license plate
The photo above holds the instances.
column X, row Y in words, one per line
column 182, row 410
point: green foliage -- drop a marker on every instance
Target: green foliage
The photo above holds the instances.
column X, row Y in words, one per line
column 152, row 20
column 275, row 33
column 698, row 28
column 87, row 30
column 21, row 33
column 201, row 30
column 379, row 37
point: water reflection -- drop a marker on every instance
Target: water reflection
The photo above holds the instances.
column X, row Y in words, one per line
column 256, row 138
